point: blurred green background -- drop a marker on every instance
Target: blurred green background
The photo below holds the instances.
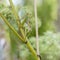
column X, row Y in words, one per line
column 48, row 26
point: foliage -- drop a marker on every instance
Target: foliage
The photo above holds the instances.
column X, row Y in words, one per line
column 47, row 14
column 15, row 34
column 49, row 46
column 8, row 14
column 49, row 42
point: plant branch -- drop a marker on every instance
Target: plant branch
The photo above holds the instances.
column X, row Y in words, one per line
column 5, row 20
column 23, row 40
column 17, row 19
column 15, row 14
column 36, row 22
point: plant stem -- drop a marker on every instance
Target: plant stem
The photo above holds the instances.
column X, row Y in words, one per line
column 17, row 19
column 23, row 40
column 15, row 14
column 36, row 22
column 6, row 21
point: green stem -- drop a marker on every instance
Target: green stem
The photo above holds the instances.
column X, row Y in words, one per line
column 23, row 40
column 5, row 20
column 15, row 14
column 17, row 18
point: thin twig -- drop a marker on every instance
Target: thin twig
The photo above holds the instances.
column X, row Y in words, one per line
column 36, row 22
column 15, row 13
column 17, row 19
